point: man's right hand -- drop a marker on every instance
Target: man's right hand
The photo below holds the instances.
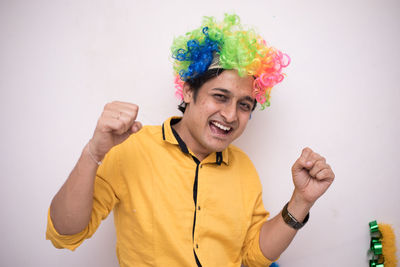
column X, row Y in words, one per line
column 115, row 125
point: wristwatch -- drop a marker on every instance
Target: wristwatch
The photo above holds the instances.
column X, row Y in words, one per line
column 291, row 220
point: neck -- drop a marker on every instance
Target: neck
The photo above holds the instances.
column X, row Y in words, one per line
column 184, row 133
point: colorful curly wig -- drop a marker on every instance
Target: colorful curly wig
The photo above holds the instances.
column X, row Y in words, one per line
column 235, row 48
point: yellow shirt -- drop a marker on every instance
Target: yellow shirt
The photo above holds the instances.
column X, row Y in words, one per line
column 164, row 216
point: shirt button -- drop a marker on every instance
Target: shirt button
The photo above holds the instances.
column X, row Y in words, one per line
column 197, row 246
column 198, row 207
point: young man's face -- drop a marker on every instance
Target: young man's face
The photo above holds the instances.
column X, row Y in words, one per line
column 220, row 113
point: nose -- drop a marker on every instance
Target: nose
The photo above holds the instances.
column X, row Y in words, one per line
column 229, row 113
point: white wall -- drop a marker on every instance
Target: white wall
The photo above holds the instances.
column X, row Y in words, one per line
column 61, row 61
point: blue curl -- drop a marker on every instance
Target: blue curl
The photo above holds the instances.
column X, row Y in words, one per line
column 205, row 31
column 199, row 54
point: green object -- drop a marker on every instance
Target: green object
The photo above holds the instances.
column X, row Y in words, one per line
column 375, row 263
column 373, row 227
column 376, row 245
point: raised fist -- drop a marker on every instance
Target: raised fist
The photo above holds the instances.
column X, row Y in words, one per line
column 311, row 175
column 115, row 125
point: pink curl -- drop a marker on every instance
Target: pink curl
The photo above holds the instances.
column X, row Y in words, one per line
column 281, row 60
column 287, row 60
column 261, row 98
column 179, row 87
column 269, row 79
column 259, row 91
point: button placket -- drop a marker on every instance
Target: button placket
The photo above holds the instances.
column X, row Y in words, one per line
column 198, row 206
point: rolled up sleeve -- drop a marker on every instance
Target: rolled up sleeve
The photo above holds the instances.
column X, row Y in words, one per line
column 70, row 242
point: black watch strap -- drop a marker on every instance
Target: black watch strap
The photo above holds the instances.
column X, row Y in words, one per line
column 291, row 220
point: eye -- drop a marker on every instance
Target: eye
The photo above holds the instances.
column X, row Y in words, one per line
column 245, row 106
column 220, row 97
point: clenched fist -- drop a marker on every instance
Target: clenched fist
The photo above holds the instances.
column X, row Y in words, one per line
column 311, row 176
column 115, row 125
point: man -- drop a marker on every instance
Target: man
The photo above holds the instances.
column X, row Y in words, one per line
column 182, row 195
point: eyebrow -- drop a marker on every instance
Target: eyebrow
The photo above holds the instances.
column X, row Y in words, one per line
column 223, row 90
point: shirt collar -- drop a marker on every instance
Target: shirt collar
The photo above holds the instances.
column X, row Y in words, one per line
column 171, row 136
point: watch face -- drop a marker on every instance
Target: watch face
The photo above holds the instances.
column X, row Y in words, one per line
column 291, row 221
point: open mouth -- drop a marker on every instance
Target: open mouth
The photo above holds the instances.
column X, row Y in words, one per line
column 218, row 128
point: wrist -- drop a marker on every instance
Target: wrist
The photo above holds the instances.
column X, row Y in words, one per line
column 299, row 207
column 92, row 153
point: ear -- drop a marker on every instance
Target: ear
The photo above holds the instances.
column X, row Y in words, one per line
column 187, row 93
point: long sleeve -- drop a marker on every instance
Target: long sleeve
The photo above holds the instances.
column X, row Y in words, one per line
column 252, row 255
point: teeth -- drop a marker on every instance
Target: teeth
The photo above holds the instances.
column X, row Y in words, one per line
column 222, row 127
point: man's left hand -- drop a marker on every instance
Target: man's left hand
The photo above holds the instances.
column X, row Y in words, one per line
column 311, row 176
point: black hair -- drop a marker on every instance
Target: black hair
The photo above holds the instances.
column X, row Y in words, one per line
column 197, row 82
